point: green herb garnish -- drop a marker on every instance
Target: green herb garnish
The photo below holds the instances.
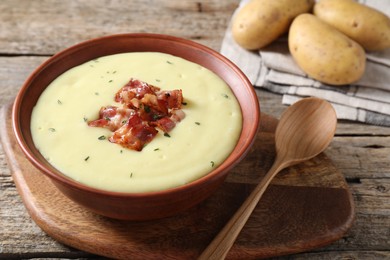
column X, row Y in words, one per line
column 166, row 135
column 156, row 117
column 86, row 158
column 212, row 163
column 147, row 109
column 59, row 102
column 197, row 123
column 52, row 129
column 102, row 137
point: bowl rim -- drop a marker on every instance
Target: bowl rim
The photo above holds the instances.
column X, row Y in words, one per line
column 70, row 183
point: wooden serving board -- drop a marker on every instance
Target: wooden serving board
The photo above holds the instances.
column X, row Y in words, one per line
column 305, row 207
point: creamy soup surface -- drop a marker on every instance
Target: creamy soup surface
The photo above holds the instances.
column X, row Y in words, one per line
column 198, row 144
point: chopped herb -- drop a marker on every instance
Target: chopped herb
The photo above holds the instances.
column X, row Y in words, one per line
column 212, row 163
column 184, row 103
column 166, row 135
column 114, row 72
column 59, row 102
column 52, row 129
column 147, row 109
column 158, row 80
column 169, row 62
column 110, row 81
column 107, row 118
column 156, row 149
column 156, row 117
column 197, row 123
column 86, row 158
column 102, row 137
column 85, row 119
column 97, row 93
column 225, row 96
column 96, row 60
column 124, row 121
column 121, row 151
column 131, row 175
column 91, row 65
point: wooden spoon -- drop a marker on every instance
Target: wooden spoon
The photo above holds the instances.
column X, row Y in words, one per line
column 305, row 129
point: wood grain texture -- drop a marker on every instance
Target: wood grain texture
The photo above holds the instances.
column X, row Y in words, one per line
column 49, row 26
column 291, row 218
column 31, row 31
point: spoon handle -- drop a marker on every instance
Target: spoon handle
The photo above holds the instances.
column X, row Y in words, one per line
column 222, row 243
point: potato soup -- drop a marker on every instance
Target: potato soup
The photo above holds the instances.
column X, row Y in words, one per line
column 196, row 145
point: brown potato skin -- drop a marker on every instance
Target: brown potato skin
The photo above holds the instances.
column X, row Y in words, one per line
column 260, row 22
column 365, row 25
column 324, row 53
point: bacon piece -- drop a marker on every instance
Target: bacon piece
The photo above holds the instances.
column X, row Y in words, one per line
column 112, row 117
column 172, row 98
column 152, row 102
column 177, row 115
column 165, row 124
column 152, row 109
column 134, row 89
column 144, row 108
column 135, row 134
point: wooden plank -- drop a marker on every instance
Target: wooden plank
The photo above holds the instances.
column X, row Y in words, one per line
column 13, row 72
column 49, row 26
column 361, row 255
column 361, row 156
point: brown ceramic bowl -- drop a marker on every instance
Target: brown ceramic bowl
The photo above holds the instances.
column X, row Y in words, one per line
column 136, row 206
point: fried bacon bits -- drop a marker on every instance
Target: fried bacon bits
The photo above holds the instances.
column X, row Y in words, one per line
column 144, row 109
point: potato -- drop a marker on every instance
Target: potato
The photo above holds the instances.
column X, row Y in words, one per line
column 260, row 22
column 324, row 53
column 365, row 25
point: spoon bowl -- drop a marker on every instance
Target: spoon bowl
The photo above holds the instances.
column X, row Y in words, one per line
column 305, row 130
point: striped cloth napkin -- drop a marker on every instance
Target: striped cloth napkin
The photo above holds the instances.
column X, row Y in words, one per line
column 273, row 68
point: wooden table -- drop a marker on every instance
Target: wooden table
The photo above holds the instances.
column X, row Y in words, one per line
column 32, row 31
